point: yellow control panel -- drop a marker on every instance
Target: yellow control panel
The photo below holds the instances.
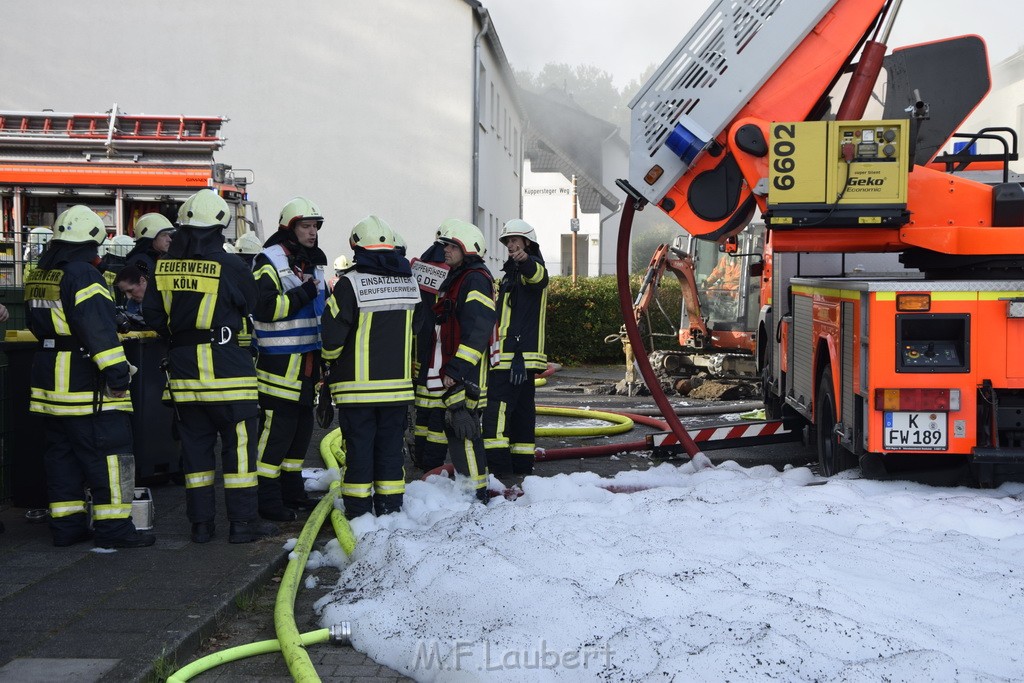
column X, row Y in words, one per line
column 838, row 163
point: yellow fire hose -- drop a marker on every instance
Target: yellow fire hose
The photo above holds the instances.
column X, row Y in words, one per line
column 289, row 641
column 620, row 423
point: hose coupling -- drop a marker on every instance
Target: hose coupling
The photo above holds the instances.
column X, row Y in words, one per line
column 341, row 634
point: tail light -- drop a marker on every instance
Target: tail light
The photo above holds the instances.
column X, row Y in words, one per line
column 917, row 400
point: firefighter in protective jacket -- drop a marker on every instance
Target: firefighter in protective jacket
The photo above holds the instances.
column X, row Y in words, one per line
column 429, row 445
column 153, row 233
column 456, row 375
column 367, row 335
column 292, row 294
column 80, row 379
column 198, row 297
column 511, row 415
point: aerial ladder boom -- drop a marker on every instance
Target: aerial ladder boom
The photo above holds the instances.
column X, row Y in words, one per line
column 774, row 60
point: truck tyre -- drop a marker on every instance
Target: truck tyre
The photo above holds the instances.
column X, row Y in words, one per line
column 832, row 457
column 773, row 405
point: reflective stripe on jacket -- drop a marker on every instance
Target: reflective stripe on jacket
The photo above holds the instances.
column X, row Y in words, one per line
column 293, row 326
column 367, row 332
column 71, row 312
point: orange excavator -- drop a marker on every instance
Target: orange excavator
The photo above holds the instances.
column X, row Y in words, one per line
column 720, row 302
column 895, row 309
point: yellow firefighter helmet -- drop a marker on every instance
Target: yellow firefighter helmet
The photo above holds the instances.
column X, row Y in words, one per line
column 79, row 224
column 204, row 209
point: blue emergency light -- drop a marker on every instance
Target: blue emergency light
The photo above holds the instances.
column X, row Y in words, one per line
column 684, row 143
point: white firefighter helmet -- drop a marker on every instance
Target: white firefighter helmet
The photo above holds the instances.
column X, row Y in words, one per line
column 248, row 243
column 342, row 262
column 79, row 224
column 119, row 245
column 464, row 235
column 38, row 238
column 230, row 248
column 300, row 209
column 400, row 243
column 152, row 224
column 517, row 226
column 204, row 209
column 372, row 233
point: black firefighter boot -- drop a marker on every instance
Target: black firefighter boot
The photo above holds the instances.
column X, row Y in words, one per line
column 270, row 505
column 251, row 530
column 293, row 491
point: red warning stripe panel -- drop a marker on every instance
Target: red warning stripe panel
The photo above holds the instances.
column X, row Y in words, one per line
column 741, row 431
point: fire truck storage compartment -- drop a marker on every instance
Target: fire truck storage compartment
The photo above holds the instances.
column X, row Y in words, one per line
column 156, row 451
column 932, row 342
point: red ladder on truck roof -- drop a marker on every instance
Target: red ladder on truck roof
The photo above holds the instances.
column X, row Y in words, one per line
column 112, row 130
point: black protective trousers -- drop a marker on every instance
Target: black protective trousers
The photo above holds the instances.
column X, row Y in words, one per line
column 285, row 433
column 87, row 450
column 374, row 478
column 510, row 424
column 199, row 427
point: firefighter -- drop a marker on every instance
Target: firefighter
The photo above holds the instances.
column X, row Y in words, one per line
column 456, row 374
column 292, row 294
column 153, row 233
column 430, row 447
column 80, row 379
column 511, row 415
column 198, row 297
column 341, row 264
column 367, row 332
column 38, row 238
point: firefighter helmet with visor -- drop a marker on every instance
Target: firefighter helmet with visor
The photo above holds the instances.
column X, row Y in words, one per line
column 151, row 225
column 79, row 224
column 299, row 209
column 204, row 209
column 518, row 227
column 464, row 235
column 372, row 233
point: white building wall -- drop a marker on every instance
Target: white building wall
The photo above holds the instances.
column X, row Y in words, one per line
column 1004, row 106
column 500, row 127
column 547, row 206
column 362, row 107
column 614, row 165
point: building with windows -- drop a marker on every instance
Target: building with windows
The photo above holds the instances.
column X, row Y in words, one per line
column 572, row 161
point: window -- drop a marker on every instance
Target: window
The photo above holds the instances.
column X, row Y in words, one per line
column 494, row 104
column 494, row 116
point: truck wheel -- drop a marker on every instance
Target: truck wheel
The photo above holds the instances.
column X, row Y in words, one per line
column 772, row 403
column 832, row 458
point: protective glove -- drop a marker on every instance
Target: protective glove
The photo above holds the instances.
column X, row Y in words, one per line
column 457, row 417
column 324, row 405
column 462, row 423
column 517, row 369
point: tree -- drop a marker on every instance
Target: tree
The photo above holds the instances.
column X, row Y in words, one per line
column 590, row 87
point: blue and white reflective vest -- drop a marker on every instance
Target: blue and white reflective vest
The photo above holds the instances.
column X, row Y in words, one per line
column 299, row 331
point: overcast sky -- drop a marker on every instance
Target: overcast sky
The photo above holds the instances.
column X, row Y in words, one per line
column 623, row 37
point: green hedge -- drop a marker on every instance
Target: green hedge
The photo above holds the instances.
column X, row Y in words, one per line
column 581, row 315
